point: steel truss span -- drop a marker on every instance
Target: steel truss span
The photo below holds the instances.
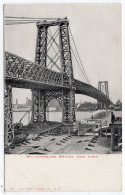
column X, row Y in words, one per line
column 22, row 73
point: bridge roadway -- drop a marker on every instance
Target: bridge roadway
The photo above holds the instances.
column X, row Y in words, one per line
column 22, row 73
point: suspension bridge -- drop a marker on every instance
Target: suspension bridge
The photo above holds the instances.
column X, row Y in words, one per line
column 50, row 76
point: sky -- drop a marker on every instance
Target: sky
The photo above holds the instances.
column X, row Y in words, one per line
column 96, row 29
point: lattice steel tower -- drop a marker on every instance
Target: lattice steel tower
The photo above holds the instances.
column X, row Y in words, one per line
column 66, row 97
column 103, row 87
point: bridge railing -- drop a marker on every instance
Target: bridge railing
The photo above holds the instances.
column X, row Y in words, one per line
column 18, row 67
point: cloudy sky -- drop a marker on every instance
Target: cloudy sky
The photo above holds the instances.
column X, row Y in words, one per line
column 96, row 29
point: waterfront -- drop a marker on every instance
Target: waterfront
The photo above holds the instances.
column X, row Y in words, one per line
column 57, row 116
column 51, row 138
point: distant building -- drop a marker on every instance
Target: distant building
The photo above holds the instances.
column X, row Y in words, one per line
column 86, row 106
column 25, row 106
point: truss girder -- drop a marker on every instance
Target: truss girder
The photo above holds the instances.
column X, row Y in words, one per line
column 8, row 122
column 19, row 68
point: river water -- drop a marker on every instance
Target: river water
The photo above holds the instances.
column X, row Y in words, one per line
column 57, row 116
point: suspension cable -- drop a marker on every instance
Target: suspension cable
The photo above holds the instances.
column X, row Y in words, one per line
column 78, row 63
column 30, row 18
column 15, row 23
column 80, row 59
column 11, row 20
column 79, row 56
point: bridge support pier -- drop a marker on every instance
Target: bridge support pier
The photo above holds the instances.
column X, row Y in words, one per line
column 8, row 117
column 38, row 106
column 68, row 106
column 69, row 118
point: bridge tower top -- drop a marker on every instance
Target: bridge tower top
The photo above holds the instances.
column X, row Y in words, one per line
column 63, row 46
column 53, row 22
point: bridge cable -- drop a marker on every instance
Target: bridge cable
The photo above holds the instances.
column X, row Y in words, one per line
column 79, row 56
column 19, row 23
column 78, row 62
column 29, row 18
column 32, row 20
column 79, row 65
column 80, row 59
column 23, row 20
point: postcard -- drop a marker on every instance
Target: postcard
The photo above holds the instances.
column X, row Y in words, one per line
column 63, row 97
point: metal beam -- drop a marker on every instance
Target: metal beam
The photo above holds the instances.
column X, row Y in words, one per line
column 52, row 23
column 8, row 117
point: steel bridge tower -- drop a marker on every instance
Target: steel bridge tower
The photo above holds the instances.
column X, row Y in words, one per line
column 103, row 87
column 66, row 97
